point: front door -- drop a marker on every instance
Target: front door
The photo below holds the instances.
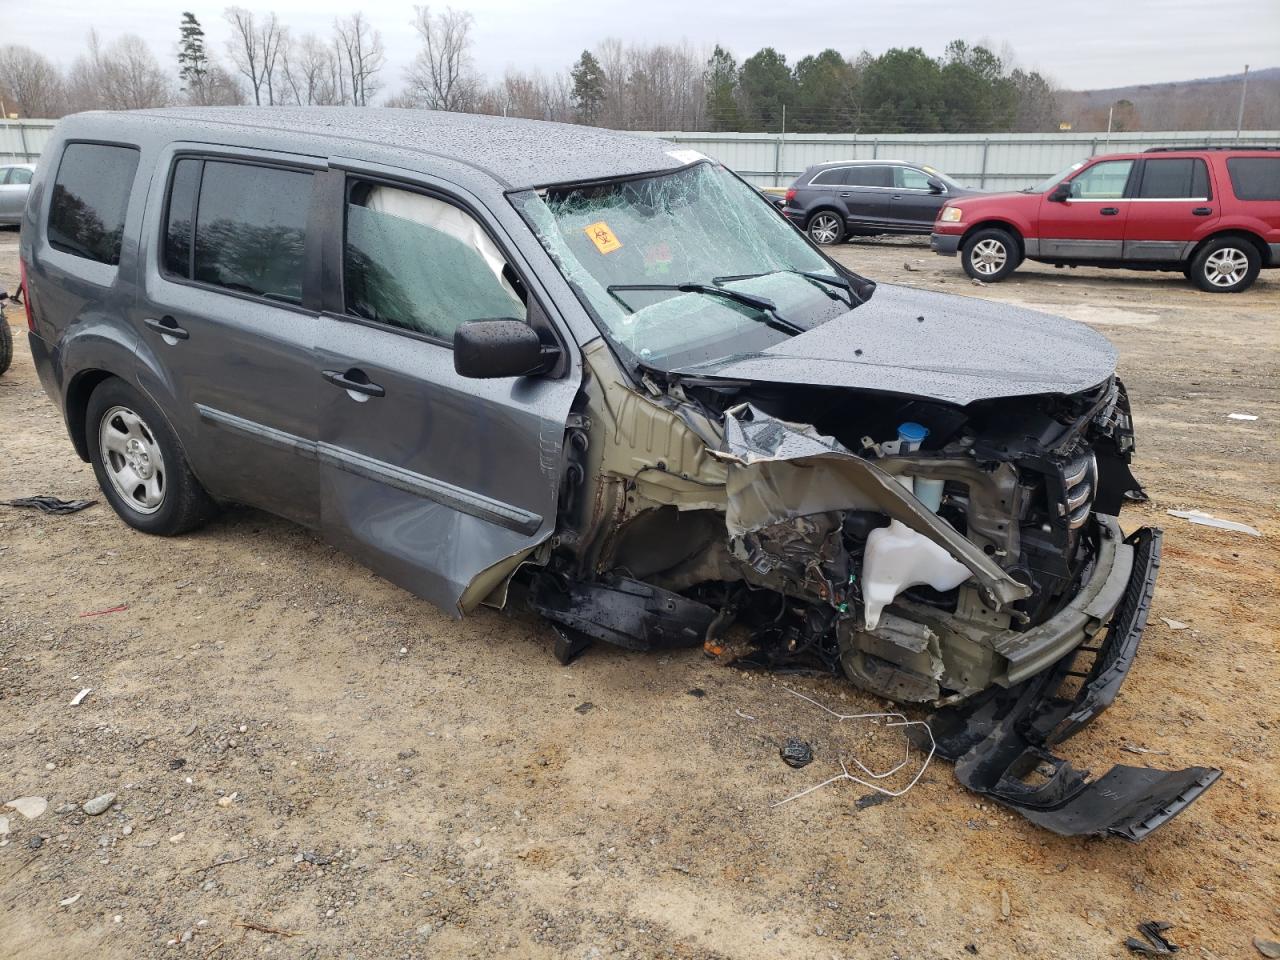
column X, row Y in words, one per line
column 14, row 184
column 226, row 324
column 434, row 480
column 1089, row 224
column 915, row 206
column 1173, row 206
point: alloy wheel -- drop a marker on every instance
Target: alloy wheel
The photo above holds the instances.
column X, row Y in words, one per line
column 988, row 257
column 824, row 229
column 1226, row 267
column 133, row 459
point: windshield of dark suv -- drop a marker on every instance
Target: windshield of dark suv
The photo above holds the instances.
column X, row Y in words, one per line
column 686, row 267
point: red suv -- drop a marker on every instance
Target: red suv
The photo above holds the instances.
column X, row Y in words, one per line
column 1212, row 212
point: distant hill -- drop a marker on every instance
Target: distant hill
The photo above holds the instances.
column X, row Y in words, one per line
column 1209, row 103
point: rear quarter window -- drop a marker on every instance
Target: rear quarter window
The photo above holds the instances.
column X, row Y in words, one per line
column 1255, row 178
column 90, row 197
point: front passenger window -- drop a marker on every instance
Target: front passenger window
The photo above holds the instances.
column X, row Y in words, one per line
column 422, row 264
column 1102, row 181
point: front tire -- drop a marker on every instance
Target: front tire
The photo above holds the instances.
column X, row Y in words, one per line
column 825, row 228
column 990, row 255
column 6, row 344
column 1225, row 265
column 140, row 465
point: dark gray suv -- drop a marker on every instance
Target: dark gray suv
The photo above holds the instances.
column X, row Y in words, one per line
column 843, row 198
column 593, row 376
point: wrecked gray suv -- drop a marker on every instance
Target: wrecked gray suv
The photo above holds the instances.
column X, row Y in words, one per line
column 554, row 368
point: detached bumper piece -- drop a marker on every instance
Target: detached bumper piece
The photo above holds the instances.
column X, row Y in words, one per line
column 621, row 611
column 1000, row 741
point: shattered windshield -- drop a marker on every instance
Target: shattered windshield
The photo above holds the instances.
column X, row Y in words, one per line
column 686, row 267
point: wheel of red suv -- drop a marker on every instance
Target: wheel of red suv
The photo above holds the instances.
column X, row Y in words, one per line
column 990, row 255
column 1225, row 265
column 6, row 344
column 825, row 228
column 140, row 465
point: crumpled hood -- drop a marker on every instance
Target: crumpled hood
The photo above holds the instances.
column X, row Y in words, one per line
column 933, row 345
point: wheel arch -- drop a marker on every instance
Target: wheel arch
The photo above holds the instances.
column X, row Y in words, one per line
column 1245, row 234
column 79, row 390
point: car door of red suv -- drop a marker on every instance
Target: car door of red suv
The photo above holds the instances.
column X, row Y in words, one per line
column 1173, row 206
column 1089, row 224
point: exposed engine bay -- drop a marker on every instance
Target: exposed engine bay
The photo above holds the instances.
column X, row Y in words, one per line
column 933, row 554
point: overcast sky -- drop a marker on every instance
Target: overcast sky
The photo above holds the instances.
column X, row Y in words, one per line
column 1078, row 43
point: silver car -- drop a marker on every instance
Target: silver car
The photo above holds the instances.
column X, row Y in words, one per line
column 15, row 181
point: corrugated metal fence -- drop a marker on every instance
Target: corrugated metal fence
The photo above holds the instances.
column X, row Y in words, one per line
column 994, row 161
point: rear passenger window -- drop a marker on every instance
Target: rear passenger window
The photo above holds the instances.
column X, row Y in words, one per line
column 419, row 263
column 829, row 177
column 1255, row 178
column 250, row 225
column 19, row 175
column 1175, row 178
column 90, row 196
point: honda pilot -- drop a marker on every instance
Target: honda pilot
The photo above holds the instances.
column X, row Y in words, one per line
column 593, row 376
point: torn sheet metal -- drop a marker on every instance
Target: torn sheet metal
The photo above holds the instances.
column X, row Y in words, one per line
column 1000, row 740
column 780, row 471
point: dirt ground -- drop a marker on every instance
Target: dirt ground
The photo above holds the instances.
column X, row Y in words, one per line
column 397, row 784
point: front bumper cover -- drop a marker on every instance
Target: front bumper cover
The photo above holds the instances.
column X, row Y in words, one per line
column 944, row 243
column 1001, row 738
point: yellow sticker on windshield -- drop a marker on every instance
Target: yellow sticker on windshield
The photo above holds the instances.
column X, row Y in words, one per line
column 603, row 237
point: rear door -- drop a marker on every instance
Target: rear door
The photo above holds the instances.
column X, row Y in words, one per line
column 227, row 320
column 914, row 205
column 1090, row 224
column 434, row 480
column 1172, row 207
column 14, row 184
column 867, row 195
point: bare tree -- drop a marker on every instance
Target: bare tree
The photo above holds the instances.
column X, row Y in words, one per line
column 121, row 76
column 442, row 76
column 29, row 83
column 255, row 50
column 310, row 70
column 361, row 54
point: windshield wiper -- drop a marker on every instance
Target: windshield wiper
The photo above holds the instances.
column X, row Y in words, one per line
column 827, row 278
column 766, row 306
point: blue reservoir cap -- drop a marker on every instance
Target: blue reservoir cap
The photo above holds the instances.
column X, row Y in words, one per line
column 910, row 432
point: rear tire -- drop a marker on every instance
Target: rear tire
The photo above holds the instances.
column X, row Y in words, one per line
column 6, row 344
column 1225, row 265
column 140, row 465
column 990, row 255
column 825, row 228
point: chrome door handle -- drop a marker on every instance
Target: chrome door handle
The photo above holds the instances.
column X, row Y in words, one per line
column 168, row 329
column 846, row 194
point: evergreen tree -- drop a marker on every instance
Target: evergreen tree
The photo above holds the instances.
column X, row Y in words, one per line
column 588, row 87
column 721, row 81
column 767, row 86
column 193, row 62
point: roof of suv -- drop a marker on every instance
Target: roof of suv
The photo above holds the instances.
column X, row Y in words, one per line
column 516, row 153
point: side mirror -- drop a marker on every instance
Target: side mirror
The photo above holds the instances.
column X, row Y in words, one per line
column 491, row 349
column 936, row 185
column 1061, row 193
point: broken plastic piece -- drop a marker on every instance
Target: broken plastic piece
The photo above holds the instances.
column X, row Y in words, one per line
column 796, row 753
column 50, row 505
column 1207, row 520
column 1155, row 945
column 1242, row 416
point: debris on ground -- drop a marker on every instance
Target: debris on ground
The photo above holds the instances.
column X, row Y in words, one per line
column 98, row 805
column 79, row 697
column 263, row 928
column 1134, row 748
column 1155, row 944
column 1268, row 948
column 1208, row 520
column 1006, row 908
column 888, row 720
column 1242, row 416
column 70, row 900
column 118, row 608
column 29, row 807
column 796, row 753
column 586, row 707
column 51, row 505
column 1175, row 624
column 697, row 692
column 871, row 800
